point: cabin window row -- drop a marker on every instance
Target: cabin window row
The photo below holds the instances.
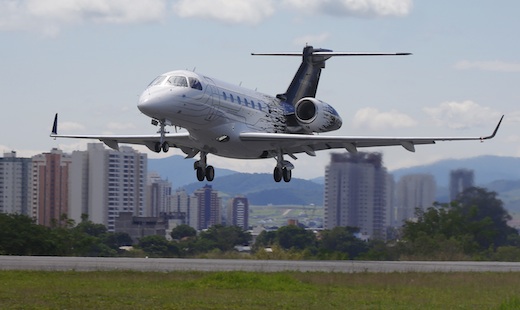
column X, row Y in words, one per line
column 241, row 101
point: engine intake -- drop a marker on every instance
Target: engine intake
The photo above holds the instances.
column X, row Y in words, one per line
column 316, row 116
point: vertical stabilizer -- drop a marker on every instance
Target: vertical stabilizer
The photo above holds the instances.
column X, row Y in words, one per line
column 306, row 79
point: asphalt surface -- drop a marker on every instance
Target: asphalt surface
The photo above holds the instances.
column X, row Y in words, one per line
column 175, row 264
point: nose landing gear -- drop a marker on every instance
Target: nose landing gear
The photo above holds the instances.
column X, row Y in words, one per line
column 161, row 145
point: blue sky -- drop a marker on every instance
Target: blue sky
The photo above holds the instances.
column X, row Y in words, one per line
column 90, row 59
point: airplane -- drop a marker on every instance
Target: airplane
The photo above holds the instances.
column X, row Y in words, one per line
column 231, row 121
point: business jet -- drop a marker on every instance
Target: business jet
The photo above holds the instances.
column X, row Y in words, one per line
column 231, row 121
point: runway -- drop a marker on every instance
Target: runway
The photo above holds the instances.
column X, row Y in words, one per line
column 52, row 263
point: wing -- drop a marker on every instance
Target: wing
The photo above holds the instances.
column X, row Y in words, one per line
column 178, row 140
column 299, row 143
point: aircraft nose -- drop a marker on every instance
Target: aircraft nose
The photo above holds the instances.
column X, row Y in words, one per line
column 149, row 104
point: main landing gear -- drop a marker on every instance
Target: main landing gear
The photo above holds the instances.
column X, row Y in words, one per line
column 202, row 169
column 283, row 169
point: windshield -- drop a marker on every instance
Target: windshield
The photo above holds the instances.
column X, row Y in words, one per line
column 178, row 80
column 158, row 80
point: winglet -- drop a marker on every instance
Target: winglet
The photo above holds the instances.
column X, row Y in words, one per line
column 55, row 126
column 495, row 131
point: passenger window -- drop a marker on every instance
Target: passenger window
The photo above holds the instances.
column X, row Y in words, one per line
column 246, row 102
column 178, row 81
column 224, row 95
column 232, row 99
column 252, row 104
column 238, row 99
column 194, row 83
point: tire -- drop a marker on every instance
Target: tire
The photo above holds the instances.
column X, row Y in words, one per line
column 200, row 174
column 210, row 173
column 277, row 174
column 287, row 174
column 157, row 147
column 165, row 147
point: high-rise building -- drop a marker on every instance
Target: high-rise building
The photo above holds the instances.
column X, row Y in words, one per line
column 50, row 187
column 159, row 192
column 238, row 212
column 106, row 182
column 184, row 207
column 412, row 192
column 208, row 207
column 356, row 193
column 15, row 174
column 460, row 179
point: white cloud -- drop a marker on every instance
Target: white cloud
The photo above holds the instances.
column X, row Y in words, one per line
column 49, row 16
column 359, row 8
column 229, row 11
column 496, row 65
column 373, row 119
column 462, row 115
column 311, row 39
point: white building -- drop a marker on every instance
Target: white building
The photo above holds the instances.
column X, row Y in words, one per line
column 105, row 182
column 184, row 206
column 159, row 192
column 15, row 174
column 356, row 186
column 412, row 192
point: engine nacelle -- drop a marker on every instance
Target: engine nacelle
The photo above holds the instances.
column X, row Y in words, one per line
column 316, row 116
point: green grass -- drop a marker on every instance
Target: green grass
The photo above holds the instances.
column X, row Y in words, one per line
column 243, row 290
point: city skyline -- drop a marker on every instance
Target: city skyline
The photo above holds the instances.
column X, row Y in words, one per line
column 93, row 60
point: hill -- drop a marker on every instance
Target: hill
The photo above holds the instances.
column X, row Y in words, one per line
column 487, row 169
column 260, row 189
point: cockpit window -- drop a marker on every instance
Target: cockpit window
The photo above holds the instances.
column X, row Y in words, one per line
column 178, row 81
column 194, row 83
column 158, row 80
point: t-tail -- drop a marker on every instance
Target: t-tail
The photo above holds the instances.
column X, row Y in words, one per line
column 306, row 79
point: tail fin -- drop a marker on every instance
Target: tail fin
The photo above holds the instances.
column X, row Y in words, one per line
column 306, row 79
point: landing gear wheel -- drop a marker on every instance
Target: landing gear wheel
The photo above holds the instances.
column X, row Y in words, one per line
column 210, row 173
column 286, row 174
column 157, row 147
column 277, row 174
column 165, row 147
column 201, row 174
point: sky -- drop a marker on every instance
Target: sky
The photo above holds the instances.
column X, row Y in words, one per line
column 89, row 60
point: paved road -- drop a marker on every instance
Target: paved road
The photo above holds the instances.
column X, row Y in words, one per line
column 175, row 264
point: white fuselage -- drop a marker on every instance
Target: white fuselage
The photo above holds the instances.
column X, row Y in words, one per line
column 213, row 112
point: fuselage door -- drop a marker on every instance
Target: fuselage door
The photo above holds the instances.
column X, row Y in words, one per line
column 213, row 100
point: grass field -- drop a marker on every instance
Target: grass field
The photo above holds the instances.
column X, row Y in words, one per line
column 243, row 290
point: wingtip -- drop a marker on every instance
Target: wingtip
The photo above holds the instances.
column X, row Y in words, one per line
column 496, row 129
column 55, row 126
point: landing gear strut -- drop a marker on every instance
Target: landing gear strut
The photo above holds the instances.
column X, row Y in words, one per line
column 202, row 170
column 283, row 169
column 161, row 145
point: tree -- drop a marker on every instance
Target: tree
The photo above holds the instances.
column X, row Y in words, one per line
column 225, row 237
column 292, row 236
column 342, row 240
column 473, row 223
column 183, row 231
column 487, row 212
column 158, row 246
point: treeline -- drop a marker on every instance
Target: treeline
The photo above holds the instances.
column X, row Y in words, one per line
column 473, row 227
column 20, row 235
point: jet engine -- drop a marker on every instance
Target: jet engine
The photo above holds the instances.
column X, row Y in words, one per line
column 316, row 116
